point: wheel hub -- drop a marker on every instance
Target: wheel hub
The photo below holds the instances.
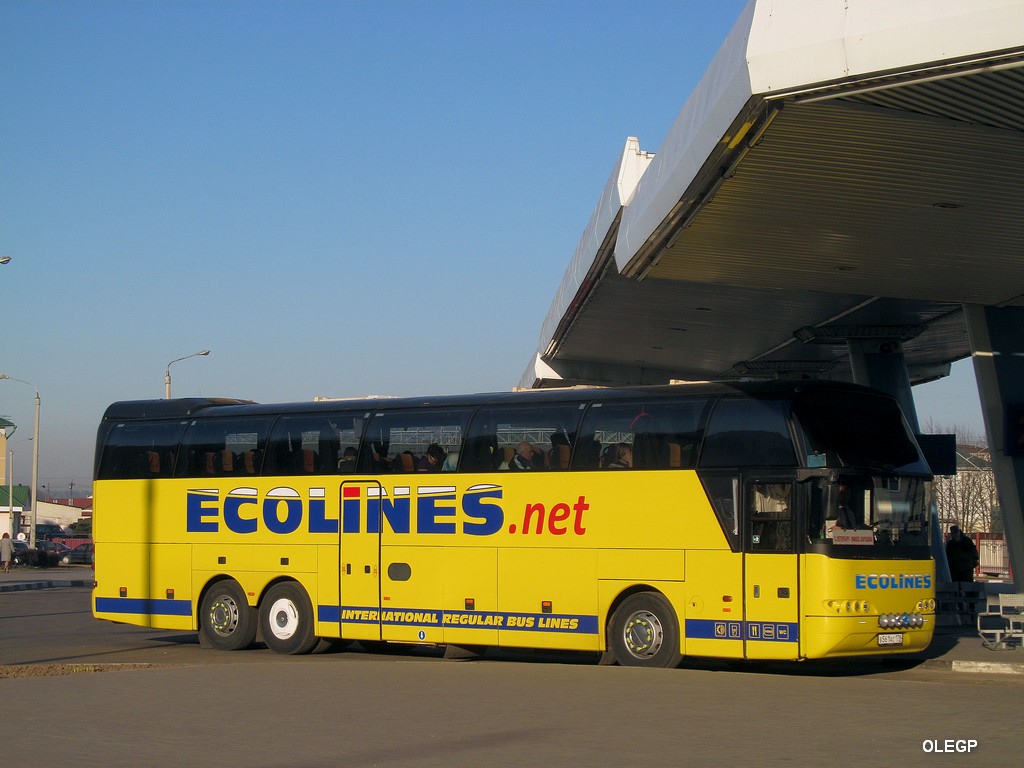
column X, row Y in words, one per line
column 643, row 634
column 224, row 616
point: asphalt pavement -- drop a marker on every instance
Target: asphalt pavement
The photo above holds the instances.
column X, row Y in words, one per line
column 954, row 648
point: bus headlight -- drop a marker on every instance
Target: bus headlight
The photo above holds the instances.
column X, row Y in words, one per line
column 901, row 620
column 848, row 606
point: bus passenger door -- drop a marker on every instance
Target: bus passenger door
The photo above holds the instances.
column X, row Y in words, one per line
column 359, row 572
column 770, row 587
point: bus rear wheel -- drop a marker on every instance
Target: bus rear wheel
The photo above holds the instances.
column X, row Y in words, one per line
column 286, row 620
column 644, row 632
column 226, row 622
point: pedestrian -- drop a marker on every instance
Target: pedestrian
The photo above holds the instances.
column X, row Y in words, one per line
column 6, row 552
column 962, row 555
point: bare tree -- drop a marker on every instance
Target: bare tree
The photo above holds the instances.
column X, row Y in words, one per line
column 967, row 498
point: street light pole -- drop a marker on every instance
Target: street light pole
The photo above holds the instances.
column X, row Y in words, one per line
column 167, row 371
column 10, row 491
column 35, row 463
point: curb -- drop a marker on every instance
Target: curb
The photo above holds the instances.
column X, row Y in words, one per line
column 975, row 667
column 49, row 584
column 989, row 667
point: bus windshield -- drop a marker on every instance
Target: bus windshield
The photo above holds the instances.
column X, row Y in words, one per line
column 860, row 429
column 863, row 510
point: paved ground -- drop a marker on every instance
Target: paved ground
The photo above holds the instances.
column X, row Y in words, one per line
column 202, row 708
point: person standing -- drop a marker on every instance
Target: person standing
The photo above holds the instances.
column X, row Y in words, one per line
column 962, row 555
column 6, row 552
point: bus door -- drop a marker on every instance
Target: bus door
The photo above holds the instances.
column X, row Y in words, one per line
column 770, row 585
column 359, row 571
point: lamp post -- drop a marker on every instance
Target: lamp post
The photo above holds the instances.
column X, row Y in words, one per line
column 167, row 371
column 10, row 491
column 35, row 462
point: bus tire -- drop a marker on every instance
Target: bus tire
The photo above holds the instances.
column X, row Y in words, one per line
column 644, row 632
column 226, row 622
column 286, row 620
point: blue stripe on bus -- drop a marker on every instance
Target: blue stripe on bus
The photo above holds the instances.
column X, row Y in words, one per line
column 143, row 607
column 412, row 617
column 769, row 631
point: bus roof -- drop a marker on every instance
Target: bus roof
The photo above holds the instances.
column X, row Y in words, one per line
column 188, row 407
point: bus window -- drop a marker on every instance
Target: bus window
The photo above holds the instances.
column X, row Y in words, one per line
column 748, row 433
column 641, row 435
column 771, row 517
column 413, row 441
column 223, row 447
column 856, row 429
column 723, row 492
column 860, row 510
column 313, row 445
column 139, row 449
column 498, row 435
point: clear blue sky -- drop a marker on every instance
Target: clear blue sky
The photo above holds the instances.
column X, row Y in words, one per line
column 336, row 198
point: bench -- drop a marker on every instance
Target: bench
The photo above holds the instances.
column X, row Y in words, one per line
column 1001, row 625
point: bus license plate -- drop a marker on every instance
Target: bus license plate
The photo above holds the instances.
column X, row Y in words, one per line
column 890, row 638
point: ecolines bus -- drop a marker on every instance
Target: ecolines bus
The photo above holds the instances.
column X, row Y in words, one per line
column 757, row 521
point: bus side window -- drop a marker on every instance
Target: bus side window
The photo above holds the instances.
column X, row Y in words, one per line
column 744, row 432
column 549, row 430
column 219, row 447
column 641, row 435
column 413, row 441
column 312, row 444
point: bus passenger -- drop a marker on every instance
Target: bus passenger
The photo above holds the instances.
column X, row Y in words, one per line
column 523, row 458
column 622, row 458
column 347, row 462
column 432, row 459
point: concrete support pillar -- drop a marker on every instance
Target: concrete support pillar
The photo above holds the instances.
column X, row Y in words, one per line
column 880, row 363
column 997, row 347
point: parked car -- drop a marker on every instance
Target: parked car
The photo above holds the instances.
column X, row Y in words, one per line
column 20, row 547
column 83, row 553
column 54, row 547
column 46, row 554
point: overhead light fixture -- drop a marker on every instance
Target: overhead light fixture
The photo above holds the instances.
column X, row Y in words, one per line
column 782, row 367
column 840, row 334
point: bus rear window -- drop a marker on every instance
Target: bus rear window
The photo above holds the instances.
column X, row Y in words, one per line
column 136, row 450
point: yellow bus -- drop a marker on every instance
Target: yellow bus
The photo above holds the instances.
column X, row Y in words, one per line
column 742, row 521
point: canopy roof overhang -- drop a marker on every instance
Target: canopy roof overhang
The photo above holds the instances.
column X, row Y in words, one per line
column 846, row 169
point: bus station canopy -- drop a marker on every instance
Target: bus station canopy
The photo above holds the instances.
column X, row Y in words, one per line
column 845, row 169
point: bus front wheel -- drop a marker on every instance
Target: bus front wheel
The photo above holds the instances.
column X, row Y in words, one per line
column 226, row 622
column 644, row 632
column 286, row 619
